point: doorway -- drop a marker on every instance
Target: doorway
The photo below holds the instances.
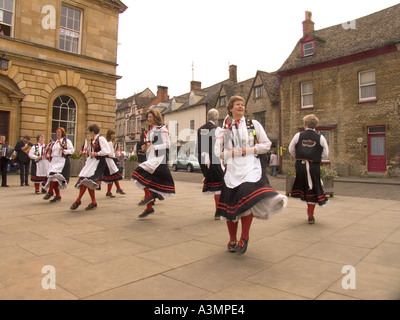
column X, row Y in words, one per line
column 5, row 123
column 377, row 149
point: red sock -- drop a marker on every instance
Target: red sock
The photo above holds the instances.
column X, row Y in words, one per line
column 56, row 189
column 147, row 192
column 246, row 223
column 91, row 193
column 109, row 187
column 117, row 185
column 216, row 199
column 232, row 229
column 311, row 208
column 82, row 191
column 37, row 185
column 51, row 187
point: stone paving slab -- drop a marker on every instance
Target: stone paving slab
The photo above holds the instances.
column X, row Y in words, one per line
column 179, row 253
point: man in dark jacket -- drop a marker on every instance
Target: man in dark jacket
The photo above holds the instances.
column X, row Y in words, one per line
column 210, row 164
column 22, row 149
column 3, row 160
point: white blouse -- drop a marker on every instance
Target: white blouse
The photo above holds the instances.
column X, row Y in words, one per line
column 240, row 168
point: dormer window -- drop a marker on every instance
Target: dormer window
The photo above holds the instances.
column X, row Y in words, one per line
column 308, row 49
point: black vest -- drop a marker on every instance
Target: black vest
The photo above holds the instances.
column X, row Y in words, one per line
column 309, row 146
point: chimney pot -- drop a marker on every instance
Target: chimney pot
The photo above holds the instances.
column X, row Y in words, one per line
column 233, row 73
column 308, row 24
column 195, row 86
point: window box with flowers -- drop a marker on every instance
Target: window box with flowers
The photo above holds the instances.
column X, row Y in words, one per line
column 327, row 176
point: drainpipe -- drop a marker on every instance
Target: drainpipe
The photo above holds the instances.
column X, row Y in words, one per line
column 280, row 123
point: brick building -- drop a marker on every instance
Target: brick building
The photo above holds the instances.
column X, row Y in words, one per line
column 349, row 76
column 61, row 66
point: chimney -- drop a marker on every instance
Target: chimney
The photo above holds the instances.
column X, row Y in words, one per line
column 308, row 25
column 233, row 73
column 195, row 86
column 162, row 93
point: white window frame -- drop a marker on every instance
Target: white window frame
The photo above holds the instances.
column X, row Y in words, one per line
column 307, row 94
column 68, row 34
column 70, row 122
column 258, row 91
column 306, row 50
column 3, row 9
column 367, row 84
column 222, row 101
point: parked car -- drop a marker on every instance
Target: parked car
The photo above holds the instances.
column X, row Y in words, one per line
column 189, row 163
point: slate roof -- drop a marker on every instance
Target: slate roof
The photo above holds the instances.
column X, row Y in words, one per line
column 373, row 31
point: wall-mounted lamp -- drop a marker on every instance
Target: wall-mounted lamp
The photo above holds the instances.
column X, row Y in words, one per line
column 3, row 63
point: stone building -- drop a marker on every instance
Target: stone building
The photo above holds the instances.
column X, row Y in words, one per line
column 348, row 75
column 62, row 58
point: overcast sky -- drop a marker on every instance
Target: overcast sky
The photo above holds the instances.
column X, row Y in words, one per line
column 159, row 40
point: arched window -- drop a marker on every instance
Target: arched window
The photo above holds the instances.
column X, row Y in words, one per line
column 64, row 115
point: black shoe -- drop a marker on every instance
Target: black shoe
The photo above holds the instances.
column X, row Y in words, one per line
column 27, row 184
column 91, row 206
column 110, row 195
column 120, row 191
column 241, row 246
column 37, row 191
column 44, row 191
column 146, row 200
column 75, row 205
column 145, row 213
column 5, row 186
column 232, row 246
column 158, row 196
column 311, row 220
column 55, row 199
column 47, row 196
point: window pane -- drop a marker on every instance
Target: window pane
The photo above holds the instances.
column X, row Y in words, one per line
column 368, row 92
column 56, row 113
column 307, row 88
column 367, row 77
column 377, row 146
column 308, row 100
column 8, row 5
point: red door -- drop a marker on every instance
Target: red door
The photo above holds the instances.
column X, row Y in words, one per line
column 376, row 151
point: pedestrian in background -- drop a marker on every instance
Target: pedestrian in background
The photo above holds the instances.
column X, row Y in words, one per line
column 309, row 148
column 246, row 191
column 4, row 159
column 273, row 163
column 210, row 164
column 22, row 148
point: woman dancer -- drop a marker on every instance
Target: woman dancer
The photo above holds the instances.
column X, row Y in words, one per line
column 246, row 191
column 153, row 176
column 58, row 153
column 309, row 148
column 92, row 173
column 112, row 174
column 40, row 164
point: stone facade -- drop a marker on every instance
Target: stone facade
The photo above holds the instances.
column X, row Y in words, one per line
column 39, row 72
column 349, row 122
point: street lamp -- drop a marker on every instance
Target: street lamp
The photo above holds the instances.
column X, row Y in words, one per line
column 3, row 63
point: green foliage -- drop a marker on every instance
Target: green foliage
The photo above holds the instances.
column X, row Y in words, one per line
column 75, row 156
column 325, row 173
column 133, row 158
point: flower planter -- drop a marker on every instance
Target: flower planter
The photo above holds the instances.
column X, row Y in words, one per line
column 130, row 166
column 76, row 166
